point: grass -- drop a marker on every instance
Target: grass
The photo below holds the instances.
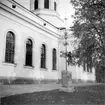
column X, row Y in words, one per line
column 91, row 95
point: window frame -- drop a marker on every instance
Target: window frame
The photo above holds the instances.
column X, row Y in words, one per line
column 10, row 51
column 55, row 6
column 29, row 53
column 43, row 57
column 36, row 4
column 54, row 59
column 46, row 4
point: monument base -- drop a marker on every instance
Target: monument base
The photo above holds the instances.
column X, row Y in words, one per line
column 67, row 89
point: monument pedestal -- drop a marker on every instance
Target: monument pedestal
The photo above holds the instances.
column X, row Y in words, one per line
column 66, row 78
column 67, row 89
column 66, row 82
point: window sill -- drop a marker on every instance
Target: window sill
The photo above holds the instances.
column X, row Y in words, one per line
column 9, row 64
column 45, row 69
column 54, row 70
column 29, row 67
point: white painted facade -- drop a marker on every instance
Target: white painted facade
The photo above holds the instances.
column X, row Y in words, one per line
column 42, row 29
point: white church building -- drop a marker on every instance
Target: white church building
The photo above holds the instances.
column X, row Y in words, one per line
column 31, row 41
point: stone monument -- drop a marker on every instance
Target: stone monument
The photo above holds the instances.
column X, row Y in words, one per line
column 66, row 82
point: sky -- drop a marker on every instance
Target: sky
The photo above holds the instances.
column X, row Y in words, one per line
column 65, row 9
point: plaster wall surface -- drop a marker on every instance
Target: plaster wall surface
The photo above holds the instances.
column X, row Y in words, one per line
column 23, row 31
column 53, row 19
column 24, row 3
column 25, row 26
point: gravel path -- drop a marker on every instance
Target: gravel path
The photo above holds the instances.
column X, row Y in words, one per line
column 8, row 90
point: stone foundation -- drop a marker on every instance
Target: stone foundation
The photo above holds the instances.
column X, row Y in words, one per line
column 67, row 89
column 10, row 80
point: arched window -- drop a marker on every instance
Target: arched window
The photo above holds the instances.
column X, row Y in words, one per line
column 43, row 56
column 46, row 4
column 10, row 47
column 29, row 47
column 55, row 6
column 54, row 59
column 36, row 4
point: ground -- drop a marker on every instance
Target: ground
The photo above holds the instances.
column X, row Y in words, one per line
column 83, row 95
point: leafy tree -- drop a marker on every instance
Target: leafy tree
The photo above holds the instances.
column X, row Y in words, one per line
column 89, row 28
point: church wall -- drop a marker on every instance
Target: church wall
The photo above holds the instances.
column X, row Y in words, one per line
column 6, row 70
column 52, row 19
column 84, row 76
column 88, row 76
column 33, row 28
column 25, row 3
column 72, row 70
column 52, row 4
column 23, row 30
column 78, row 74
column 40, row 4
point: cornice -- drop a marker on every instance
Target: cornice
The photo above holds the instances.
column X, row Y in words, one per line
column 40, row 12
column 30, row 12
column 28, row 20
